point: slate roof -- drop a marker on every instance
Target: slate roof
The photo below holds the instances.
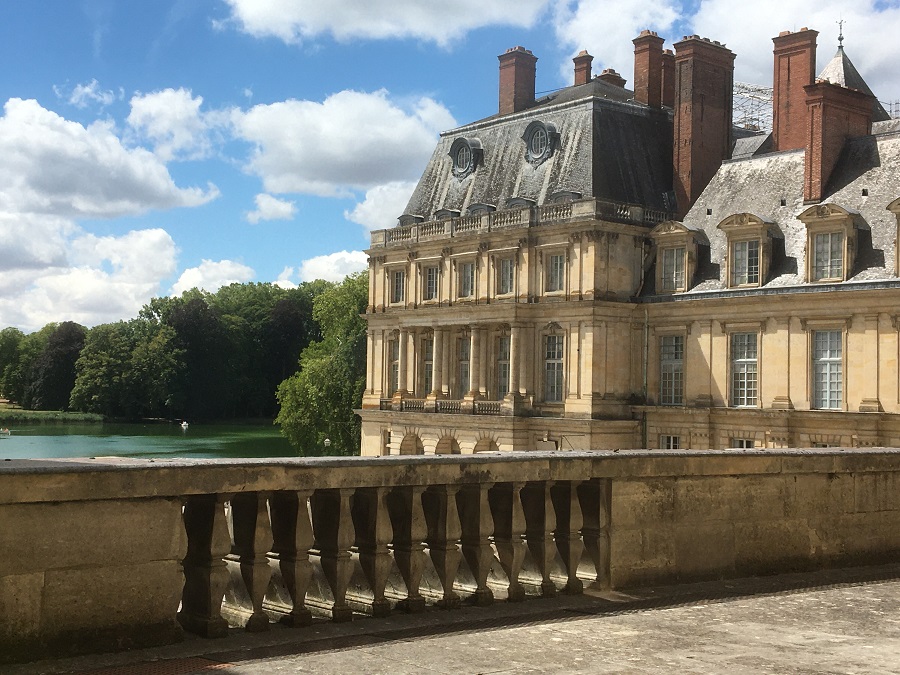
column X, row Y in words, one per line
column 610, row 147
column 840, row 70
column 758, row 184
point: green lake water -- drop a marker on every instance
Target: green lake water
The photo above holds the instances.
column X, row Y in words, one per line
column 41, row 441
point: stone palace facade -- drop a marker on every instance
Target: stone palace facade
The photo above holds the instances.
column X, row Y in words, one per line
column 614, row 268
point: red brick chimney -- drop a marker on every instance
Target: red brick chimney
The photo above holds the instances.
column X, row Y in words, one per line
column 517, row 71
column 668, row 78
column 704, row 80
column 582, row 67
column 834, row 114
column 610, row 76
column 795, row 68
column 648, row 56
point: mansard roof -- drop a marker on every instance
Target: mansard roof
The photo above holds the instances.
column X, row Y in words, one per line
column 607, row 147
column 841, row 71
column 865, row 182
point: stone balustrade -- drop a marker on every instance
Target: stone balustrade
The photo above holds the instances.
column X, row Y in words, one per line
column 549, row 214
column 111, row 553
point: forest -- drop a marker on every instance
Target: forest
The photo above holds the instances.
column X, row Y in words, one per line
column 247, row 351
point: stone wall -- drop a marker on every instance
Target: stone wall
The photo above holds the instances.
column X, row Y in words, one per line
column 108, row 554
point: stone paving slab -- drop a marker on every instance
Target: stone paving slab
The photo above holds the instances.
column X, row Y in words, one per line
column 839, row 621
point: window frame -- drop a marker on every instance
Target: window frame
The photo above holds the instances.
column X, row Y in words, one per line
column 740, row 365
column 395, row 274
column 465, row 280
column 503, row 364
column 744, row 229
column 833, row 268
column 829, row 397
column 553, row 390
column 670, row 277
column 829, row 220
column 669, row 442
column 429, row 293
column 463, row 361
column 671, row 390
column 427, row 365
column 506, row 275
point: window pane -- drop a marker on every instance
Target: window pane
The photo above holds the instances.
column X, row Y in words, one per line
column 556, row 273
column 828, row 369
column 672, row 269
column 671, row 376
column 553, row 369
column 502, row 367
column 743, row 369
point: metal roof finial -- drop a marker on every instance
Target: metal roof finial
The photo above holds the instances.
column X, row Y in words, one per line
column 840, row 33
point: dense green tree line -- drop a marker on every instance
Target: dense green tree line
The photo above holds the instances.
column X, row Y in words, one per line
column 207, row 356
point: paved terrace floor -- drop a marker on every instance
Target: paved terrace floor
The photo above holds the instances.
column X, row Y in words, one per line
column 839, row 621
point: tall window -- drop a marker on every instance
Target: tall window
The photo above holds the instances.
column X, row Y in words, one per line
column 502, row 366
column 398, row 283
column 743, row 369
column 745, row 262
column 827, row 369
column 427, row 365
column 828, row 256
column 671, row 370
column 394, row 352
column 553, row 369
column 431, row 283
column 465, row 345
column 466, row 280
column 556, row 270
column 506, row 279
column 673, row 269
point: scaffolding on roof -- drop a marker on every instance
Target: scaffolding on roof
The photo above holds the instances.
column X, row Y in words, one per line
column 752, row 106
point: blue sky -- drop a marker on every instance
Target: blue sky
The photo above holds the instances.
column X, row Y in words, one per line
column 149, row 147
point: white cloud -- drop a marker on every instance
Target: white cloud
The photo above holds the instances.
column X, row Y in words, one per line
column 334, row 266
column 172, row 121
column 284, row 279
column 53, row 166
column 748, row 28
column 271, row 208
column 82, row 95
column 439, row 22
column 606, row 29
column 211, row 276
column 382, row 206
column 105, row 278
column 352, row 140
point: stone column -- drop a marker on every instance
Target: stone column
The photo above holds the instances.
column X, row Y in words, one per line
column 437, row 363
column 474, row 362
column 483, row 360
column 445, row 362
column 515, row 344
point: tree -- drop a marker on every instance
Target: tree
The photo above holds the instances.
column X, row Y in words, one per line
column 318, row 401
column 10, row 338
column 101, row 369
column 17, row 376
column 53, row 371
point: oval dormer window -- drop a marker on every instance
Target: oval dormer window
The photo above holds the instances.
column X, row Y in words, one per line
column 466, row 154
column 541, row 140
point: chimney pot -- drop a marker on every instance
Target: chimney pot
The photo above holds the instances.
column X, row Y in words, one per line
column 648, row 57
column 582, row 67
column 612, row 77
column 794, row 68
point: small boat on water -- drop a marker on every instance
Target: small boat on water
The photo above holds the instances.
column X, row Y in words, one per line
column 184, row 424
column 4, row 432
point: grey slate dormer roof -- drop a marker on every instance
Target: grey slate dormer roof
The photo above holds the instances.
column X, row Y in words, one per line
column 610, row 147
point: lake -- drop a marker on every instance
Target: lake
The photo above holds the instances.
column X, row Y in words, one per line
column 41, row 441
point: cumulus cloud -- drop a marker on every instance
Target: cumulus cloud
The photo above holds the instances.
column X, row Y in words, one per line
column 53, row 166
column 382, row 205
column 748, row 28
column 83, row 95
column 102, row 279
column 212, row 275
column 171, row 119
column 284, row 279
column 352, row 140
column 334, row 266
column 271, row 208
column 438, row 22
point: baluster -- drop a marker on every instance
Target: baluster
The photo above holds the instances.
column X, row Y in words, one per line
column 373, row 534
column 205, row 573
column 439, row 503
column 252, row 541
column 509, row 530
column 568, row 531
column 596, row 503
column 408, row 523
column 292, row 538
column 477, row 528
column 540, row 522
column 333, row 532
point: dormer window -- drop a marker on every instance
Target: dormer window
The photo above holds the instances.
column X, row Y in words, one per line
column 676, row 256
column 467, row 154
column 830, row 244
column 541, row 139
column 749, row 249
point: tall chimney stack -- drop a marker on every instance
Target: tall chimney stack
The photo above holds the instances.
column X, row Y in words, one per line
column 582, row 67
column 795, row 68
column 648, row 57
column 704, row 83
column 517, row 72
column 610, row 76
column 834, row 114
